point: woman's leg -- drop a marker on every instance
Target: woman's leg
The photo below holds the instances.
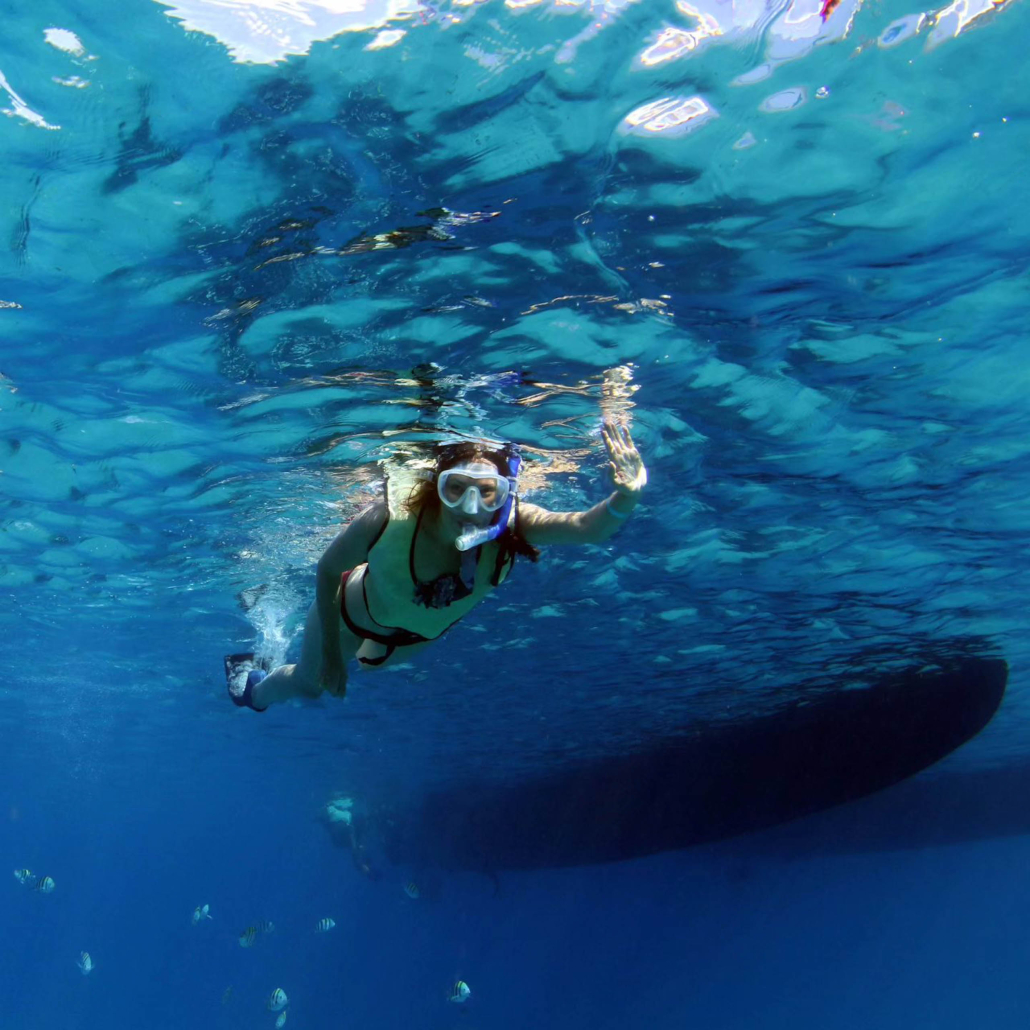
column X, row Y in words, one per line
column 301, row 680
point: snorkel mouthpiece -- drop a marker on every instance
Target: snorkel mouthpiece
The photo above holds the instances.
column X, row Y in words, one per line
column 473, row 537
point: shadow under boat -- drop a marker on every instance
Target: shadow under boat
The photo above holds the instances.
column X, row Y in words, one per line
column 929, row 811
column 711, row 783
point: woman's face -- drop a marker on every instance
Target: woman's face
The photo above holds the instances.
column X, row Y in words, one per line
column 471, row 492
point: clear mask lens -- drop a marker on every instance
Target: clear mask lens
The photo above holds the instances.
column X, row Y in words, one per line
column 473, row 488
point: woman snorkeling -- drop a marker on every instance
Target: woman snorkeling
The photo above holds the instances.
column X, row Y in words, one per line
column 400, row 575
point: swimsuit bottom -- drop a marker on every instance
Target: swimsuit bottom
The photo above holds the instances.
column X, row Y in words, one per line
column 394, row 637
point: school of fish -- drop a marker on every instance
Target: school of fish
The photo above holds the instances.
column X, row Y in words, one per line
column 278, row 1000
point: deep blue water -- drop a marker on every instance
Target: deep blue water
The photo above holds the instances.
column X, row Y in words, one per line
column 251, row 248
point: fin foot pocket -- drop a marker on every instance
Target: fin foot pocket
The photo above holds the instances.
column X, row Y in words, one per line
column 243, row 672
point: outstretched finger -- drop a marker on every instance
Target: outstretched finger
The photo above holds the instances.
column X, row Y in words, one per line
column 612, row 438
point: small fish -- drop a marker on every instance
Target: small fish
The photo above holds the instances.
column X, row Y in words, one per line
column 45, row 884
column 201, row 912
column 324, row 925
column 266, row 926
column 411, row 889
column 281, row 1020
column 85, row 963
column 23, row 875
column 226, row 995
column 277, row 1000
column 460, row 992
column 248, row 936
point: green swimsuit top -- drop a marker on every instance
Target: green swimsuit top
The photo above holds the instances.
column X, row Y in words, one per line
column 426, row 608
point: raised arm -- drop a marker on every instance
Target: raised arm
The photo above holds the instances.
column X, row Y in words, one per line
column 542, row 528
column 350, row 548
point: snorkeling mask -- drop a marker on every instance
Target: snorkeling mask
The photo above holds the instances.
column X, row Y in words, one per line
column 477, row 486
column 473, row 488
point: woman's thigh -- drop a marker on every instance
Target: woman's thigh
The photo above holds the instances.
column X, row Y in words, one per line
column 310, row 661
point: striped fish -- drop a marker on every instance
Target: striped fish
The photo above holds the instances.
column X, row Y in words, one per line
column 277, row 1000
column 324, row 925
column 45, row 884
column 248, row 936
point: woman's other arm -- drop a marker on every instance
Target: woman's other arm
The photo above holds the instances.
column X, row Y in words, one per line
column 349, row 549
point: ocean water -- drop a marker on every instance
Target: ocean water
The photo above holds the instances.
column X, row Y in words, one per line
column 250, row 248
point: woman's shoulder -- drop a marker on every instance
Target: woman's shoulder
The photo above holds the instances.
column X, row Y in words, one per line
column 374, row 516
column 389, row 527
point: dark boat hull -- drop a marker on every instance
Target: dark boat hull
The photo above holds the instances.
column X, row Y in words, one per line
column 709, row 783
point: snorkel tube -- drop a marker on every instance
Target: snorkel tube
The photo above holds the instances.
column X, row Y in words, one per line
column 473, row 537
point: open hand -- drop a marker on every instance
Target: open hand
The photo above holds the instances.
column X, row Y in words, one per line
column 629, row 476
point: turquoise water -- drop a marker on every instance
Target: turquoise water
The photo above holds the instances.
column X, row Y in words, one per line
column 253, row 247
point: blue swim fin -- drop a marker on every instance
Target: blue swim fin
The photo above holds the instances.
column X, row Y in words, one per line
column 243, row 672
